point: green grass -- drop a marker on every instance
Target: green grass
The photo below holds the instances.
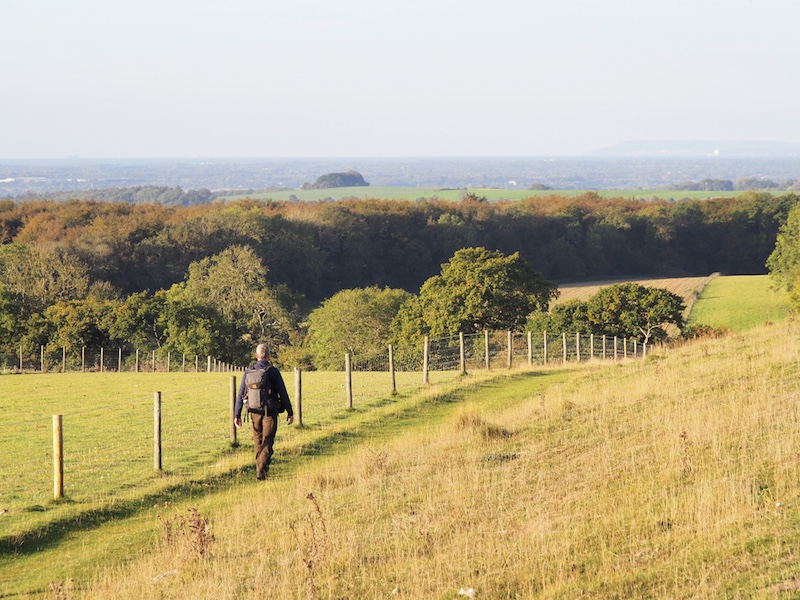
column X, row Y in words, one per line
column 108, row 433
column 491, row 194
column 739, row 303
column 110, row 481
column 673, row 477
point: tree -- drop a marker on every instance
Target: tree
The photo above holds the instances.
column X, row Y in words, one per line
column 234, row 282
column 570, row 316
column 77, row 323
column 477, row 290
column 41, row 275
column 633, row 310
column 784, row 262
column 356, row 321
column 136, row 321
column 189, row 327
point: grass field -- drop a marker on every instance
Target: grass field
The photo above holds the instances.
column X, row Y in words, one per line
column 671, row 477
column 108, row 446
column 491, row 194
column 674, row 477
column 740, row 303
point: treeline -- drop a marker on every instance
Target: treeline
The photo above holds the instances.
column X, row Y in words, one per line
column 745, row 183
column 317, row 249
column 140, row 194
column 215, row 279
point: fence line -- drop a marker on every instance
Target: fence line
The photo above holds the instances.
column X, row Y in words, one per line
column 197, row 418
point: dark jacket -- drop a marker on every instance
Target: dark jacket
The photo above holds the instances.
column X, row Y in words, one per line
column 276, row 380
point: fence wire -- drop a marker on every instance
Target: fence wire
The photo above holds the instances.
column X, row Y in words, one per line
column 108, row 438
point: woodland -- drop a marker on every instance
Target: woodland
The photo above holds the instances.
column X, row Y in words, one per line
column 57, row 257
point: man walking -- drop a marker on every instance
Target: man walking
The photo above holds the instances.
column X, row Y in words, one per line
column 266, row 383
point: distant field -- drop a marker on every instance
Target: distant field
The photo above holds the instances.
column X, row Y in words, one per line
column 491, row 194
column 686, row 287
column 740, row 303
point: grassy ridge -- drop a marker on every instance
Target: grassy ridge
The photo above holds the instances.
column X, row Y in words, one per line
column 667, row 478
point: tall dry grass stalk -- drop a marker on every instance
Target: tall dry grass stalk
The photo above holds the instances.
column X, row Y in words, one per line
column 666, row 478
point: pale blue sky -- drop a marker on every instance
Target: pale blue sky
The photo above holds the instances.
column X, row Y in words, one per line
column 260, row 78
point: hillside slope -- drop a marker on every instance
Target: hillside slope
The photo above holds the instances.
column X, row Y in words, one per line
column 673, row 477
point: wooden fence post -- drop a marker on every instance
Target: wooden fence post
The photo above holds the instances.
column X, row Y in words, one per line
column 63, row 359
column 462, row 355
column 209, row 364
column 41, row 359
column 183, row 364
column 298, row 394
column 102, row 362
column 169, row 360
column 348, row 379
column 510, row 359
column 196, row 363
column 604, row 346
column 157, row 431
column 578, row 346
column 591, row 346
column 20, row 358
column 119, row 361
column 530, row 348
column 233, row 391
column 615, row 347
column 391, row 369
column 58, row 458
column 486, row 345
column 544, row 334
column 137, row 361
column 624, row 347
column 564, row 346
column 425, row 349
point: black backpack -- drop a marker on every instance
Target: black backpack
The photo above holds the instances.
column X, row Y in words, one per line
column 260, row 394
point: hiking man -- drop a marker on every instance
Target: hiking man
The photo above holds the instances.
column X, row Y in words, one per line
column 263, row 391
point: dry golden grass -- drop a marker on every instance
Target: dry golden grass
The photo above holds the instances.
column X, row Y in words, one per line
column 687, row 288
column 674, row 477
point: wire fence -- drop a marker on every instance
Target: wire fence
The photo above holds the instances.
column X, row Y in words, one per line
column 46, row 359
column 108, row 420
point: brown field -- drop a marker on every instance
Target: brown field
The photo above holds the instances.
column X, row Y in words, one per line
column 688, row 288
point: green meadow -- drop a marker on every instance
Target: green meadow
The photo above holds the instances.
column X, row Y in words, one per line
column 739, row 303
column 671, row 477
column 491, row 194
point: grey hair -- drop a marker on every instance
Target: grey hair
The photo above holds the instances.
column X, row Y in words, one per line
column 262, row 351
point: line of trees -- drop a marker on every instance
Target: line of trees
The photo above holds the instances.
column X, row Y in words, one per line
column 318, row 249
column 214, row 279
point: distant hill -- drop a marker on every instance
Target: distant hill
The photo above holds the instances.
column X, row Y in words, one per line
column 700, row 148
column 337, row 180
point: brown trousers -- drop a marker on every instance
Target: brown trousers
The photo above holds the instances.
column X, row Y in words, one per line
column 264, row 429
